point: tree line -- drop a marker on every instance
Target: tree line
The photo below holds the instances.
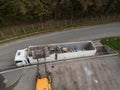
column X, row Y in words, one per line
column 13, row 11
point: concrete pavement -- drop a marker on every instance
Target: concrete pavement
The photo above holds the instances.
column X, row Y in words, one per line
column 27, row 82
column 10, row 78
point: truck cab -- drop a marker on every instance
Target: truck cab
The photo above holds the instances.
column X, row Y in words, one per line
column 21, row 58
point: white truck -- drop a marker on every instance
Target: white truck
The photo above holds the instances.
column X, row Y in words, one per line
column 60, row 51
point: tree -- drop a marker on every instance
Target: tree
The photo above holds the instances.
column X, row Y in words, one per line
column 39, row 10
column 65, row 8
column 85, row 4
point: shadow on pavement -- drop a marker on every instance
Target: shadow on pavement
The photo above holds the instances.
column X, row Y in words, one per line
column 3, row 83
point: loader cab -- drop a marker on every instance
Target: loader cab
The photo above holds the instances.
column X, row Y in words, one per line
column 43, row 84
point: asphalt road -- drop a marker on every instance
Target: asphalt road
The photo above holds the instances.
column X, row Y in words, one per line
column 7, row 51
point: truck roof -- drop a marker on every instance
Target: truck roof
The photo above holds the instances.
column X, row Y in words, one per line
column 20, row 54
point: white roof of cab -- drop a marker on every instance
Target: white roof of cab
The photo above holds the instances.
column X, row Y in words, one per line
column 20, row 55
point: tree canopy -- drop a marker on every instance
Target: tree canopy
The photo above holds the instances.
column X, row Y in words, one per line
column 39, row 10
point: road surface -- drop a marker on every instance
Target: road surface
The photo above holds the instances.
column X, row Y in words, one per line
column 7, row 51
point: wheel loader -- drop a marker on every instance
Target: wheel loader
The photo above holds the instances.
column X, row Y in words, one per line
column 43, row 81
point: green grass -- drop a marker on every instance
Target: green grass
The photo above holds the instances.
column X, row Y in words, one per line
column 112, row 42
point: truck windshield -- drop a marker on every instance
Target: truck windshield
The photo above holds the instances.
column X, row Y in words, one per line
column 18, row 61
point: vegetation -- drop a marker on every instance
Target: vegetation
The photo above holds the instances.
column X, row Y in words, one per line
column 113, row 42
column 41, row 16
column 24, row 11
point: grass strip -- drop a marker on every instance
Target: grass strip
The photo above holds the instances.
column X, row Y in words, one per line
column 112, row 42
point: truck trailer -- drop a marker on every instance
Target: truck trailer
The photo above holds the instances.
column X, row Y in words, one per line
column 54, row 52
